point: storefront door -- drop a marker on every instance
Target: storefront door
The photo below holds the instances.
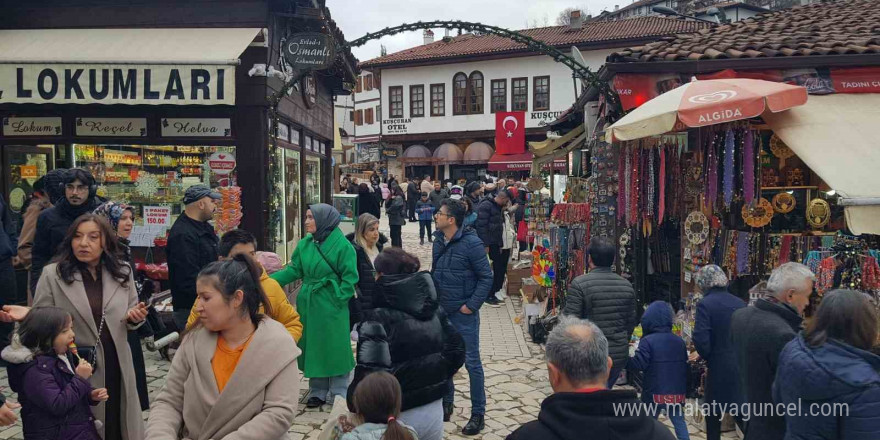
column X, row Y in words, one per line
column 22, row 166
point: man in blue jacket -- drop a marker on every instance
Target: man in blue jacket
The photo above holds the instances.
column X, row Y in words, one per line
column 463, row 279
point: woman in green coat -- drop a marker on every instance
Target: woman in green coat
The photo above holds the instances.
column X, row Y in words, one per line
column 326, row 263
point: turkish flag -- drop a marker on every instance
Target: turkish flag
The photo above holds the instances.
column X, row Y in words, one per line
column 510, row 132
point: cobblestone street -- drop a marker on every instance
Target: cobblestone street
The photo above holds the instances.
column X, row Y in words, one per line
column 516, row 376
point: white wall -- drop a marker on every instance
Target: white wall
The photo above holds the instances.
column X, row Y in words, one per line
column 342, row 105
column 562, row 92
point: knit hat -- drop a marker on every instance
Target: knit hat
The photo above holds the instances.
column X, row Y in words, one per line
column 112, row 211
column 52, row 182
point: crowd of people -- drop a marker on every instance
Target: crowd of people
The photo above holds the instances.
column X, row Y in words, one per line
column 236, row 372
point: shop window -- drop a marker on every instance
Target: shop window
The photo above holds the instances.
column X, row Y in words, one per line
column 368, row 116
column 378, row 113
column 294, row 134
column 292, row 200
column 313, row 179
column 24, row 165
column 417, row 101
column 475, row 93
column 351, row 116
column 519, row 94
column 155, row 176
column 396, row 99
column 459, row 94
column 542, row 93
column 358, row 118
column 438, row 99
column 499, row 95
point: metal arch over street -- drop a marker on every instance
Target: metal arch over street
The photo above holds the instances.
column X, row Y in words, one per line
column 579, row 70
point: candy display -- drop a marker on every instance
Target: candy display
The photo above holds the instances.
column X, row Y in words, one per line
column 228, row 214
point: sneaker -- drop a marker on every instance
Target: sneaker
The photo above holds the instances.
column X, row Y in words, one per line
column 447, row 411
column 314, row 402
column 492, row 301
column 474, row 425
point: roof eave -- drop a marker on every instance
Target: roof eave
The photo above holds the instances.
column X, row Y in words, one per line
column 701, row 66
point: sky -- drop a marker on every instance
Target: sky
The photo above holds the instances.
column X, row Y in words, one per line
column 358, row 17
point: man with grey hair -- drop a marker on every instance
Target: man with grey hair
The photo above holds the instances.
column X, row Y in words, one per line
column 759, row 333
column 578, row 365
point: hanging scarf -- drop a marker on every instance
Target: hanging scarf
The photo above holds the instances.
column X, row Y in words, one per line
column 742, row 253
column 627, row 184
column 749, row 167
column 728, row 168
column 622, row 184
column 711, row 175
column 634, row 194
column 661, row 205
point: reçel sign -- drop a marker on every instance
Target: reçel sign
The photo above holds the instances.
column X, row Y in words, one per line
column 310, row 51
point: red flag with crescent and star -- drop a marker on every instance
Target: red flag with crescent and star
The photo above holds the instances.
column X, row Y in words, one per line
column 510, row 132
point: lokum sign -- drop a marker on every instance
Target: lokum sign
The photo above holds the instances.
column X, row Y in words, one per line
column 116, row 127
column 31, row 126
column 188, row 127
column 157, row 216
column 310, row 51
column 128, row 84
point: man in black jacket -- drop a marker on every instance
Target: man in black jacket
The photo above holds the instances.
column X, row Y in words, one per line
column 52, row 224
column 581, row 406
column 192, row 245
column 608, row 300
column 490, row 226
column 759, row 333
column 437, row 195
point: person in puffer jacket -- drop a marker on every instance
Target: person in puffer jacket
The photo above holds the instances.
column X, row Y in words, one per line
column 663, row 357
column 410, row 337
column 831, row 374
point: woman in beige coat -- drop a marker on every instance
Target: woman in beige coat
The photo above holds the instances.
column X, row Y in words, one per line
column 235, row 375
column 92, row 283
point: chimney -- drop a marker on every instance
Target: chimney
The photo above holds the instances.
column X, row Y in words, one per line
column 575, row 21
column 429, row 36
column 616, row 8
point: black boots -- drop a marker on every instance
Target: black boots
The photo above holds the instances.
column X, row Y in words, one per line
column 474, row 425
column 447, row 411
column 314, row 402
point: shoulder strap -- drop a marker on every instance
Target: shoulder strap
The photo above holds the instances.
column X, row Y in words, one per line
column 338, row 275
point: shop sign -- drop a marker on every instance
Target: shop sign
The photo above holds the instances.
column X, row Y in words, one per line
column 389, row 153
column 28, row 172
column 157, row 216
column 123, row 127
column 186, row 127
column 310, row 51
column 13, row 126
column 397, row 126
column 284, row 132
column 130, row 84
column 221, row 162
column 545, row 118
column 309, row 90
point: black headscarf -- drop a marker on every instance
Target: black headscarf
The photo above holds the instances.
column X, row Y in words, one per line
column 326, row 220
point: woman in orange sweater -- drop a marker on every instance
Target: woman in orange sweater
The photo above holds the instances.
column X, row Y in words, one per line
column 235, row 374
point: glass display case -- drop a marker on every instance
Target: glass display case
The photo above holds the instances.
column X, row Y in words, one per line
column 346, row 204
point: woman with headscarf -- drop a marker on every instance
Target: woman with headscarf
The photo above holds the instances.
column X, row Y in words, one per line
column 368, row 203
column 326, row 263
column 121, row 219
column 712, row 341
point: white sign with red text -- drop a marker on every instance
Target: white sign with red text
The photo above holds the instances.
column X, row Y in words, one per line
column 221, row 162
column 157, row 216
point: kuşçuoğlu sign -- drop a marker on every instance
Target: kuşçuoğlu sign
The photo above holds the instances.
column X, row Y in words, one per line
column 310, row 51
column 130, row 84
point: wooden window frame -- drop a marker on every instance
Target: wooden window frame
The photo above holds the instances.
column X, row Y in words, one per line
column 379, row 113
column 358, row 88
column 412, row 102
column 368, row 116
column 513, row 94
column 472, row 98
column 442, row 100
column 391, row 114
column 492, row 83
column 456, row 98
column 368, row 83
column 358, row 118
column 351, row 116
column 535, row 93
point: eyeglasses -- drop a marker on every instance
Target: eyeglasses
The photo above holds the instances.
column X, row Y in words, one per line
column 441, row 213
column 77, row 188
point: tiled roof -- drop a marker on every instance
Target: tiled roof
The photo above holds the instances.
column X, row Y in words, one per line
column 592, row 32
column 831, row 28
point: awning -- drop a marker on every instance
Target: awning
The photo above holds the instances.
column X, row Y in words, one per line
column 121, row 66
column 448, row 153
column 417, row 155
column 551, row 145
column 520, row 162
column 478, row 152
column 837, row 137
column 561, row 151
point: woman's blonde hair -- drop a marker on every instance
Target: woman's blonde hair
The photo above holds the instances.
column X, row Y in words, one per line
column 363, row 223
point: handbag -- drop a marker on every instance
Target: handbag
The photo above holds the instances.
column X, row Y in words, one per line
column 354, row 304
column 89, row 353
column 522, row 232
